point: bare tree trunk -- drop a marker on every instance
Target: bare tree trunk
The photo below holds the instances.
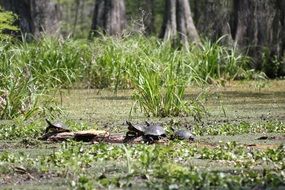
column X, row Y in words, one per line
column 82, row 9
column 45, row 16
column 213, row 19
column 186, row 28
column 169, row 26
column 109, row 16
column 148, row 16
column 279, row 36
column 178, row 23
column 23, row 10
column 35, row 16
column 259, row 30
column 77, row 7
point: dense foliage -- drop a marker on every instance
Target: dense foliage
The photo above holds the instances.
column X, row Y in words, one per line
column 156, row 167
column 157, row 72
column 32, row 73
column 6, row 23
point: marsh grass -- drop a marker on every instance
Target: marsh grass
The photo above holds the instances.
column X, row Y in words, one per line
column 30, row 71
column 156, row 71
column 17, row 91
column 56, row 63
column 159, row 73
column 155, row 165
column 7, row 20
column 160, row 91
column 212, row 61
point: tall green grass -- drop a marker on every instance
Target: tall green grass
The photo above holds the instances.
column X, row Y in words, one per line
column 108, row 68
column 29, row 71
column 157, row 72
column 212, row 61
column 56, row 63
column 18, row 95
column 159, row 79
column 7, row 20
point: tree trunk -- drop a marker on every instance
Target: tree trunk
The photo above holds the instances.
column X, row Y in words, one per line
column 178, row 23
column 213, row 19
column 260, row 31
column 109, row 16
column 23, row 10
column 77, row 7
column 169, row 26
column 148, row 16
column 45, row 16
column 186, row 28
column 281, row 5
column 256, row 26
column 35, row 16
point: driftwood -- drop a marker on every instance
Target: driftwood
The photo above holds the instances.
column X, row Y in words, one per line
column 119, row 138
column 91, row 135
column 94, row 136
column 61, row 136
column 55, row 136
column 86, row 135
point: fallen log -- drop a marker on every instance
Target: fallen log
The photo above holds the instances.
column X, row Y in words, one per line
column 119, row 138
column 86, row 135
column 94, row 136
column 91, row 135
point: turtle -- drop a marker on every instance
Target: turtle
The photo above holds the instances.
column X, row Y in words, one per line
column 134, row 130
column 183, row 135
column 57, row 127
column 153, row 132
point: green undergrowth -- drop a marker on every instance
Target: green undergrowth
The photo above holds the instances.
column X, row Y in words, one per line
column 19, row 128
column 29, row 129
column 154, row 166
column 157, row 72
column 7, row 20
column 240, row 128
column 31, row 73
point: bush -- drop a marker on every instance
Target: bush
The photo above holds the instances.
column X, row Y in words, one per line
column 17, row 92
column 212, row 61
column 6, row 24
column 158, row 73
column 29, row 71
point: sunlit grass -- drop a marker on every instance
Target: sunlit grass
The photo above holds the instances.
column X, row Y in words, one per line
column 158, row 72
column 164, row 165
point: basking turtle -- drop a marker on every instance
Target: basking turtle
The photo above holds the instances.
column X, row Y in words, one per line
column 134, row 130
column 57, row 127
column 153, row 132
column 183, row 135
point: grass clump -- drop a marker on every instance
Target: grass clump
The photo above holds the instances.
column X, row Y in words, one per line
column 158, row 72
column 6, row 24
column 31, row 71
column 108, row 69
column 212, row 61
column 160, row 89
column 154, row 166
column 241, row 128
column 152, row 68
column 18, row 95
column 55, row 63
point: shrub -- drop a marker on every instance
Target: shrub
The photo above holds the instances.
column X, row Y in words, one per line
column 213, row 61
column 158, row 73
column 29, row 71
column 6, row 23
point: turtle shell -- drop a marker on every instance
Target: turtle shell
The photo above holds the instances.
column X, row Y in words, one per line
column 136, row 128
column 56, row 127
column 183, row 135
column 154, row 130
